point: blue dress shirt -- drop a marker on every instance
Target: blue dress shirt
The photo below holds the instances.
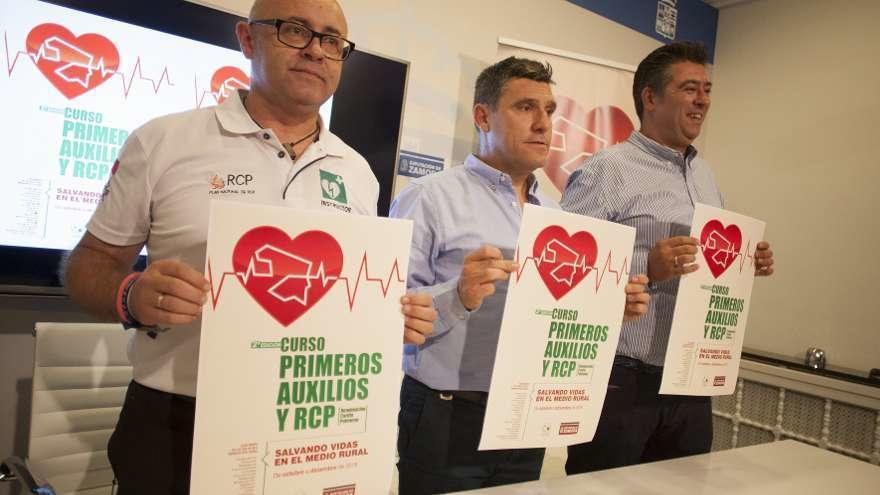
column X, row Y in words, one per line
column 454, row 212
column 653, row 188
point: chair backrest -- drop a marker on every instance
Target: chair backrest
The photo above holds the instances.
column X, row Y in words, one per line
column 81, row 373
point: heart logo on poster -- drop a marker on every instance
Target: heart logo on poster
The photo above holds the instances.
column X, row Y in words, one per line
column 74, row 65
column 563, row 260
column 227, row 80
column 720, row 245
column 578, row 134
column 287, row 276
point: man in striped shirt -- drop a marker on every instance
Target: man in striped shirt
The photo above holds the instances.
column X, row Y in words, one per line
column 651, row 182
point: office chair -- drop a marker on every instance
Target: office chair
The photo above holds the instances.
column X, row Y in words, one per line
column 81, row 373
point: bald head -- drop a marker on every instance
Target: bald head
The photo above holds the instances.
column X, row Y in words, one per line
column 283, row 75
column 269, row 9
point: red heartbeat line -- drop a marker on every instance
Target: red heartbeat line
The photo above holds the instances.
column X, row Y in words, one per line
column 10, row 64
column 126, row 86
column 206, row 92
column 363, row 275
column 742, row 255
column 582, row 266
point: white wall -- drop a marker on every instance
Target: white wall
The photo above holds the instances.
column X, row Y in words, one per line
column 792, row 136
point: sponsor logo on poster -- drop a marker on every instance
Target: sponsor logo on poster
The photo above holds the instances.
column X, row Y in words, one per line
column 569, row 428
column 340, row 490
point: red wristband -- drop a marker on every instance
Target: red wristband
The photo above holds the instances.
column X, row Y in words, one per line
column 120, row 292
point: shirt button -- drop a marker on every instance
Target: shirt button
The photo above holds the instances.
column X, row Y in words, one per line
column 281, row 154
column 266, row 135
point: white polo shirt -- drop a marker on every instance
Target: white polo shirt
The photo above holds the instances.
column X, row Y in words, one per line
column 168, row 171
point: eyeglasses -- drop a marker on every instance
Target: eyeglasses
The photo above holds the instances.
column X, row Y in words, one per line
column 295, row 35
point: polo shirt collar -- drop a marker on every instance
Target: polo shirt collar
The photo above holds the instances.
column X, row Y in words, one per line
column 234, row 118
column 329, row 143
column 659, row 150
column 494, row 177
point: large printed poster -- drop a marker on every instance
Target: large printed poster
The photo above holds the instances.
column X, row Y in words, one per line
column 301, row 348
column 594, row 109
column 712, row 306
column 559, row 332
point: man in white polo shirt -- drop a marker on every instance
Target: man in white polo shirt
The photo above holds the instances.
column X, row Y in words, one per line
column 268, row 146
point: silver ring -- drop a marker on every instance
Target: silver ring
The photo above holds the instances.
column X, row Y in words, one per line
column 675, row 261
column 159, row 300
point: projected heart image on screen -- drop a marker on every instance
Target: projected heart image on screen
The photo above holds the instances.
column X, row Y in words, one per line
column 578, row 134
column 226, row 80
column 287, row 276
column 73, row 64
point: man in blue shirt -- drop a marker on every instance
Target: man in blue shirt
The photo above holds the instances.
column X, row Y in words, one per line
column 466, row 223
column 651, row 182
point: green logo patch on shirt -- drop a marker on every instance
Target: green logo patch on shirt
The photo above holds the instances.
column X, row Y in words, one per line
column 332, row 187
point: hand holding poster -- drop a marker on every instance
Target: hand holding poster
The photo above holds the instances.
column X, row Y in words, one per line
column 712, row 305
column 300, row 355
column 561, row 324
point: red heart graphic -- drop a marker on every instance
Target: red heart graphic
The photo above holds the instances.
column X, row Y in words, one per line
column 72, row 64
column 577, row 135
column 563, row 260
column 226, row 80
column 720, row 245
column 287, row 276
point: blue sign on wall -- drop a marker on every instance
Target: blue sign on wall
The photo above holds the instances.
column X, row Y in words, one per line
column 663, row 20
column 417, row 165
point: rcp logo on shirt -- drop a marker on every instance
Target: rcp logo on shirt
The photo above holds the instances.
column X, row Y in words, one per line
column 333, row 187
column 235, row 182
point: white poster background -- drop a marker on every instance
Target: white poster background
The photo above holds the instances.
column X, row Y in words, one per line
column 705, row 342
column 238, row 447
column 528, row 406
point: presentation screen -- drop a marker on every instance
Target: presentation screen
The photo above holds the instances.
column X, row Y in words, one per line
column 81, row 76
column 77, row 85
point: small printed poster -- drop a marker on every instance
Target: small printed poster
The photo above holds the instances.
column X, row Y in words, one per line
column 559, row 332
column 712, row 306
column 301, row 348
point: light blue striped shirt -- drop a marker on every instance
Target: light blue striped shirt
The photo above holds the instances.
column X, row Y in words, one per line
column 454, row 212
column 651, row 187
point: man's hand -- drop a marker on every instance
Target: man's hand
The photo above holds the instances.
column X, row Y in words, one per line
column 168, row 293
column 637, row 298
column 763, row 259
column 482, row 268
column 672, row 257
column 419, row 315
